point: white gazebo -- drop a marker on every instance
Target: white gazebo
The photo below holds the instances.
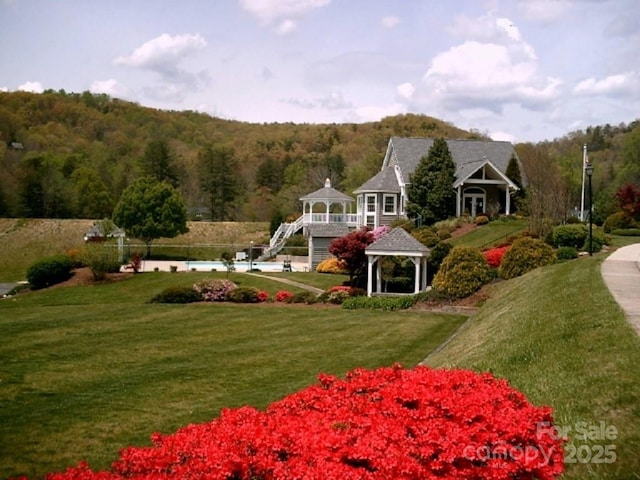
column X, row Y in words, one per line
column 328, row 197
column 397, row 243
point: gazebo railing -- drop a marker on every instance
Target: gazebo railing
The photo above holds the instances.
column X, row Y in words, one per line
column 350, row 219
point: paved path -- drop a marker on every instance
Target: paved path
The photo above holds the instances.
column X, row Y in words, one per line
column 290, row 282
column 621, row 273
column 6, row 288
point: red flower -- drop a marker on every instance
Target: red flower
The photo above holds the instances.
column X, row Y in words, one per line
column 283, row 296
column 388, row 424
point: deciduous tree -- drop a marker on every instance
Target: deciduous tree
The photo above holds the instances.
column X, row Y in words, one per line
column 149, row 209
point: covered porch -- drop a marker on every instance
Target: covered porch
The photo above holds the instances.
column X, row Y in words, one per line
column 482, row 189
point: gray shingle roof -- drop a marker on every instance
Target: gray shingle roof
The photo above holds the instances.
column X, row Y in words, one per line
column 327, row 194
column 384, row 181
column 406, row 152
column 397, row 240
column 327, row 230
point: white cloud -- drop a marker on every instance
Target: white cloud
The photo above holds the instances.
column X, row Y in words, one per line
column 406, row 90
column 613, row 85
column 502, row 137
column 544, row 10
column 390, row 22
column 372, row 113
column 163, row 53
column 33, row 87
column 110, row 87
column 4, row 89
column 333, row 101
column 282, row 15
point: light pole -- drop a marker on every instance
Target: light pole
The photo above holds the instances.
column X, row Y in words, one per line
column 251, row 256
column 589, row 171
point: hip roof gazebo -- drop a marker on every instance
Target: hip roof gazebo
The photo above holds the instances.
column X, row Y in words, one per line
column 397, row 243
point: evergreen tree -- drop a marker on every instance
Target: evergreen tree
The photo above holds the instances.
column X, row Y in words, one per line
column 514, row 174
column 430, row 195
column 158, row 163
column 219, row 180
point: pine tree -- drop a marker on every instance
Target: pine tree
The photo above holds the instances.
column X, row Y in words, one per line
column 430, row 195
column 219, row 180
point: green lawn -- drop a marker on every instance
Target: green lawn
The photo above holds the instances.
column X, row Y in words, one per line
column 557, row 335
column 491, row 233
column 85, row 371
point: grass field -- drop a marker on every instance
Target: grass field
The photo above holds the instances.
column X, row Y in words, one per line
column 25, row 241
column 557, row 335
column 87, row 370
column 491, row 233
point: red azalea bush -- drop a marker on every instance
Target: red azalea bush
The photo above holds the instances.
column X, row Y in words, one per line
column 387, row 424
column 493, row 256
column 263, row 296
column 283, row 296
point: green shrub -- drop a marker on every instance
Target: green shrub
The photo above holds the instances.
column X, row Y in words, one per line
column 598, row 240
column 101, row 259
column 177, row 295
column 426, row 236
column 49, row 271
column 617, row 221
column 243, row 295
column 462, row 273
column 569, row 235
column 525, row 255
column 380, row 303
column 436, row 257
column 626, row 232
column 303, row 297
column 400, row 285
column 567, row 253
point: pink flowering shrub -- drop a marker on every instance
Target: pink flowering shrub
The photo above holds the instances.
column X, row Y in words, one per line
column 216, row 290
column 493, row 256
column 283, row 296
column 385, row 424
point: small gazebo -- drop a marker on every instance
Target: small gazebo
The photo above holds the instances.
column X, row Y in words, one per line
column 327, row 197
column 397, row 243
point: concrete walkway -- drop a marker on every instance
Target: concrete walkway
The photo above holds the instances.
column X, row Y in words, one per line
column 621, row 273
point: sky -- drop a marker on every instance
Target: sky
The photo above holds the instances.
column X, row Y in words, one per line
column 517, row 70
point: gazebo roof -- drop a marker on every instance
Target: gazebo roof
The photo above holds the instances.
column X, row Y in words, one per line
column 328, row 230
column 327, row 194
column 397, row 242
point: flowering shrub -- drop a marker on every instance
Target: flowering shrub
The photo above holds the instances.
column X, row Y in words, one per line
column 283, row 296
column 263, row 296
column 216, row 290
column 385, row 424
column 331, row 265
column 493, row 256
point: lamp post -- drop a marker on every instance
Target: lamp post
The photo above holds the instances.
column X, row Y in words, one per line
column 251, row 256
column 589, row 171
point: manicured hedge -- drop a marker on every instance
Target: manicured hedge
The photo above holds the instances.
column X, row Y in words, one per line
column 49, row 271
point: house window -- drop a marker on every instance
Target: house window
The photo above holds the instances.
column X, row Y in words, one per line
column 389, row 202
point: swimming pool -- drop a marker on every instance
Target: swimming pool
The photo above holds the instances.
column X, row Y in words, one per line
column 239, row 266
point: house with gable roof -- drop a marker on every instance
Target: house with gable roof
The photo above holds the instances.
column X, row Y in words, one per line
column 481, row 184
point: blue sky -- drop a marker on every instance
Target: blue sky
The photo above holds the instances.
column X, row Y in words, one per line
column 527, row 70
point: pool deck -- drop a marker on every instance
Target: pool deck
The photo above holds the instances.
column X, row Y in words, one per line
column 199, row 266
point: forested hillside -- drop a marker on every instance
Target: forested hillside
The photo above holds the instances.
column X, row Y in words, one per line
column 65, row 155
column 71, row 156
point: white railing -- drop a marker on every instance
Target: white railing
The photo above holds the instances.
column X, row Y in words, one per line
column 345, row 218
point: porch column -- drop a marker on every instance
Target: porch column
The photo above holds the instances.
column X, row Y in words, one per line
column 370, row 261
column 458, row 198
column 507, row 209
column 416, row 262
column 424, row 274
column 379, row 276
